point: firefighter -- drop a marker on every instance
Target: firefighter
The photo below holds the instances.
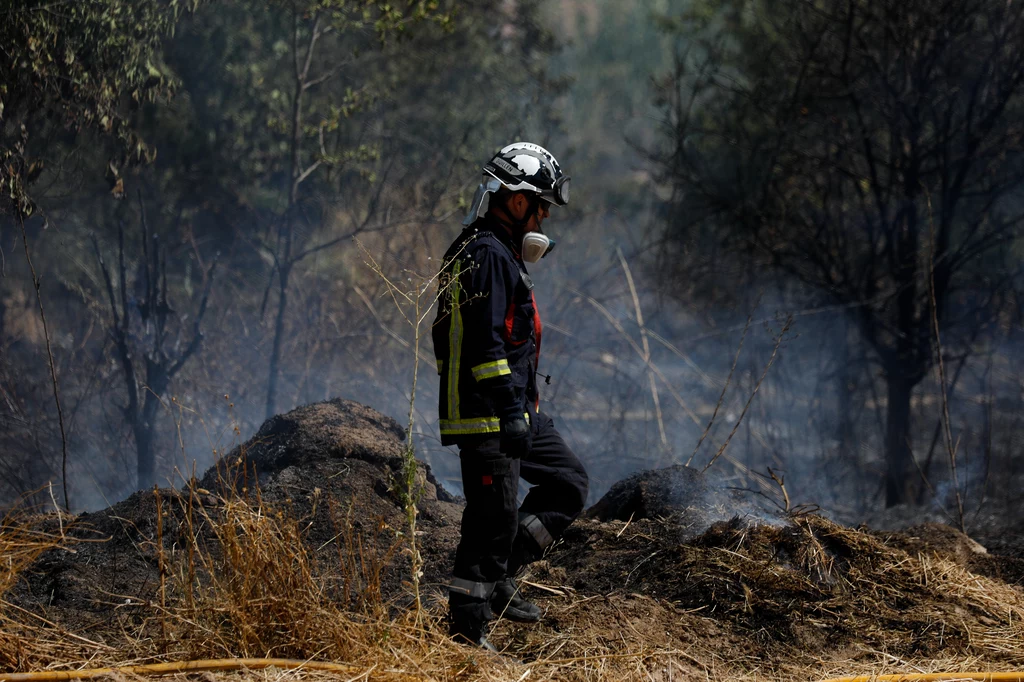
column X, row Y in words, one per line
column 487, row 338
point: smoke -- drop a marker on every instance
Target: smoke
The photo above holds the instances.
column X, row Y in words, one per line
column 627, row 396
column 816, row 421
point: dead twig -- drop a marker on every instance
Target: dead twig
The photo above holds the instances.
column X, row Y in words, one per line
column 646, row 346
column 53, row 368
column 414, row 305
column 623, row 529
column 639, row 351
column 739, row 420
column 951, row 448
column 782, row 486
column 725, row 387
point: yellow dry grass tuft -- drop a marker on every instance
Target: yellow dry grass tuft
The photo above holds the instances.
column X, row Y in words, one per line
column 28, row 639
column 249, row 584
column 259, row 591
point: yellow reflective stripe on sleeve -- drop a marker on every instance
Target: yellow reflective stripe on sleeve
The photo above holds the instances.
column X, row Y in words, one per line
column 465, row 427
column 491, row 369
column 454, row 341
column 440, row 367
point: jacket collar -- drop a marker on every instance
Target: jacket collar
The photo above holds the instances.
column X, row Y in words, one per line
column 491, row 224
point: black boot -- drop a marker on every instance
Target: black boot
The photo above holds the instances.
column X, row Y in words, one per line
column 506, row 602
column 524, row 552
column 469, row 621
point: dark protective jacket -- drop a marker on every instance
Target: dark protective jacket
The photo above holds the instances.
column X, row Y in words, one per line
column 486, row 335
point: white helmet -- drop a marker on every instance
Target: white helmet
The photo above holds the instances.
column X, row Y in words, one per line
column 521, row 167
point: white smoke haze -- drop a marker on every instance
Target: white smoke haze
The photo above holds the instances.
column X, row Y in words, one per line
column 600, row 394
column 628, row 397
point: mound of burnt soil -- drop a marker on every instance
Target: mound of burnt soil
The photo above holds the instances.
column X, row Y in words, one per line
column 330, row 466
column 946, row 542
column 804, row 582
column 332, row 430
column 691, row 498
column 653, row 493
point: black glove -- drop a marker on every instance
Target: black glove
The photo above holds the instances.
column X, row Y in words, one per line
column 516, row 436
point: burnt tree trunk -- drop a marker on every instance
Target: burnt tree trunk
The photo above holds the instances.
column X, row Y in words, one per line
column 144, row 428
column 144, row 460
column 899, row 475
column 283, row 254
column 275, row 353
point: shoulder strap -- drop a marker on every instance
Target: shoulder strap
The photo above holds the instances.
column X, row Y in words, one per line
column 477, row 234
column 523, row 275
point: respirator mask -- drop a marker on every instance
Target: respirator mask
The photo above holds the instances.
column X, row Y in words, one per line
column 536, row 245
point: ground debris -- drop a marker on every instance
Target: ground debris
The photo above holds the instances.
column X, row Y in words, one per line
column 804, row 584
column 671, row 574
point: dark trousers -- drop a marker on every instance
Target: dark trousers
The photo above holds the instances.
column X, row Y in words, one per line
column 494, row 526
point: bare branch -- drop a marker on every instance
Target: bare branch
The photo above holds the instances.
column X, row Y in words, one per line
column 950, row 448
column 197, row 334
column 53, row 368
column 309, row 171
column 739, row 420
column 725, row 387
column 646, row 354
column 110, row 286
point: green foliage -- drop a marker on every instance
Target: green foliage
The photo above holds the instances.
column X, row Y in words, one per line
column 403, row 110
column 400, row 106
column 613, row 51
column 78, row 65
column 271, row 91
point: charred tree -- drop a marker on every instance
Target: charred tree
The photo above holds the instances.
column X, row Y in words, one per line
column 147, row 335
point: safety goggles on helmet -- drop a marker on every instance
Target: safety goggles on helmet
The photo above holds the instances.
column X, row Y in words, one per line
column 559, row 194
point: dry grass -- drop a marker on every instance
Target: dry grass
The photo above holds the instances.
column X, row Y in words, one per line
column 259, row 590
column 820, row 574
column 27, row 639
column 22, row 540
column 243, row 580
column 249, row 584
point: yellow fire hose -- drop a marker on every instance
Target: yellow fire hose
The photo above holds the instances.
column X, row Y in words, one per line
column 933, row 677
column 222, row 664
column 229, row 664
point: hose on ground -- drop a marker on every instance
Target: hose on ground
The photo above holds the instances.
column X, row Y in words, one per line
column 217, row 664
column 934, row 677
column 230, row 664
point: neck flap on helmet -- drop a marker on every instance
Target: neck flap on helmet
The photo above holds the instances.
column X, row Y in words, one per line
column 481, row 200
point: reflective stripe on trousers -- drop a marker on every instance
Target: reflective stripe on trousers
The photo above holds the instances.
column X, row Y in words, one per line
column 469, row 588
